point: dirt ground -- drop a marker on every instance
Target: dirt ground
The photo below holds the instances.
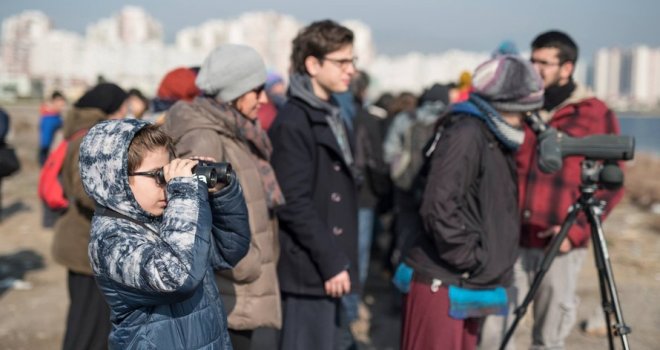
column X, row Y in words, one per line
column 33, row 294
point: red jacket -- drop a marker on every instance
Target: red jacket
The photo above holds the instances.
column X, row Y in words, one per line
column 545, row 198
column 266, row 114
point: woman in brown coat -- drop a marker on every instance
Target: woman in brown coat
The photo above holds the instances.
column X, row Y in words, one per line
column 88, row 320
column 223, row 125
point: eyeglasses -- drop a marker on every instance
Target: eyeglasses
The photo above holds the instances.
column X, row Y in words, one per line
column 544, row 63
column 158, row 175
column 259, row 89
column 342, row 63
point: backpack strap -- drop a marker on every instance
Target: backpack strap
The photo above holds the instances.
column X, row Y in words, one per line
column 105, row 211
column 78, row 134
column 443, row 123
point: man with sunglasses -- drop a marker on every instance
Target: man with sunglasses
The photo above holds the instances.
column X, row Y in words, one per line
column 544, row 199
column 314, row 163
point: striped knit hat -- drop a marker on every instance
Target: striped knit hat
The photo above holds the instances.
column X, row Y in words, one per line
column 509, row 84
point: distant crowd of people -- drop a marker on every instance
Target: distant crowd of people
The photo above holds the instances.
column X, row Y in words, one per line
column 448, row 180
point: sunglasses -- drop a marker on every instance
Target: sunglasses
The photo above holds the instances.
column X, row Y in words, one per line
column 158, row 175
column 259, row 89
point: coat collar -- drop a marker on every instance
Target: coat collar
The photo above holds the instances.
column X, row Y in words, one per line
column 321, row 129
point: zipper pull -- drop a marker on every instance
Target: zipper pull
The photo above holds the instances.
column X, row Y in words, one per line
column 435, row 285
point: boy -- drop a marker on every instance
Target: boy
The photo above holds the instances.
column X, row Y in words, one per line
column 156, row 236
column 49, row 123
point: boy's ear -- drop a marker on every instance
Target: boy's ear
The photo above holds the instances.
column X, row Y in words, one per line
column 313, row 65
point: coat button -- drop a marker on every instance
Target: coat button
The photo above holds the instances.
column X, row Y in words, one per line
column 336, row 166
column 527, row 213
column 337, row 230
column 335, row 197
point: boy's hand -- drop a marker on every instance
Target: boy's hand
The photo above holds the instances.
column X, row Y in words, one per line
column 179, row 168
column 338, row 285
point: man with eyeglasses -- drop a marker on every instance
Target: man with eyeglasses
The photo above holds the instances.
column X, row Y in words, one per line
column 544, row 199
column 314, row 163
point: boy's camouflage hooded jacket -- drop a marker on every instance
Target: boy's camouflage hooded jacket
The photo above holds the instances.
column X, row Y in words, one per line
column 156, row 273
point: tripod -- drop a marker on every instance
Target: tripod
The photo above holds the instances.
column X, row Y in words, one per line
column 593, row 174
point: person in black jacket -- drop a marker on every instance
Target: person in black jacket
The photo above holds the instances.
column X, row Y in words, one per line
column 4, row 126
column 314, row 164
column 469, row 211
column 6, row 162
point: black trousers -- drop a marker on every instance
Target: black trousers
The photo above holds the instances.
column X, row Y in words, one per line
column 241, row 340
column 88, row 323
column 317, row 323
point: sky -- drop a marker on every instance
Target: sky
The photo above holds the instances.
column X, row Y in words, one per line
column 399, row 27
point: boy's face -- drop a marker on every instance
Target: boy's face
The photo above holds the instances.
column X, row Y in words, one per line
column 333, row 72
column 149, row 195
column 59, row 103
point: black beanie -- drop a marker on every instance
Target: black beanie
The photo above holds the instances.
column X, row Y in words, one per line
column 107, row 97
column 435, row 93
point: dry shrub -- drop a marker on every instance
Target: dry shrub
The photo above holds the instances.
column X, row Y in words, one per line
column 642, row 180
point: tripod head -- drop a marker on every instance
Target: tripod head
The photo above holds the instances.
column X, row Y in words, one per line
column 606, row 174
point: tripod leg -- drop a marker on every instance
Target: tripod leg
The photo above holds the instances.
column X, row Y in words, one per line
column 606, row 302
column 609, row 293
column 553, row 250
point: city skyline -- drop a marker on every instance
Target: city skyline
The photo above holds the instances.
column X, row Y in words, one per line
column 129, row 47
column 402, row 27
column 627, row 77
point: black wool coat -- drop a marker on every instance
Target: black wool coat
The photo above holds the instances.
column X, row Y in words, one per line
column 318, row 224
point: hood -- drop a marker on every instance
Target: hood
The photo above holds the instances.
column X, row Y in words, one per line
column 104, row 166
column 201, row 113
column 580, row 93
column 81, row 118
column 300, row 86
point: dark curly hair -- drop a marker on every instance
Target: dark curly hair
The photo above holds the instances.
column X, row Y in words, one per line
column 317, row 40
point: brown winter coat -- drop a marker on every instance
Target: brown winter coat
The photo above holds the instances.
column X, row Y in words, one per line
column 250, row 292
column 72, row 229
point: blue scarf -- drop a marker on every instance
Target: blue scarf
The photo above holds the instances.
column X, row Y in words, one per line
column 506, row 134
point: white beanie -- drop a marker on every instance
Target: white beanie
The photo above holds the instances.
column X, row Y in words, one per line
column 230, row 71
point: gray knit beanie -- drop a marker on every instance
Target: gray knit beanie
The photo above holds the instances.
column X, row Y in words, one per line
column 230, row 71
column 509, row 83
